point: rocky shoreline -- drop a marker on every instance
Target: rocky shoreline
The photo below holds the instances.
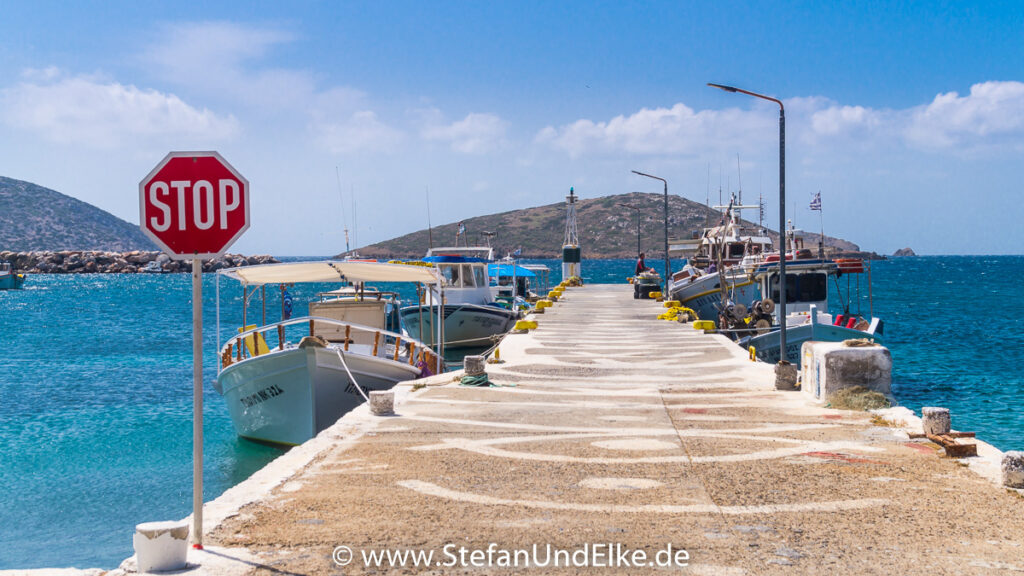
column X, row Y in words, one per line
column 103, row 262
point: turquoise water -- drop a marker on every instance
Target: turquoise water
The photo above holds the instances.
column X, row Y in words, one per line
column 96, row 389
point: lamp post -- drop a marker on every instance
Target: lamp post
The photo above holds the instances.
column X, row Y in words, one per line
column 637, row 208
column 782, row 210
column 668, row 268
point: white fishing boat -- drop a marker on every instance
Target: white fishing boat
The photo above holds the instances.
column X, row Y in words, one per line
column 472, row 318
column 284, row 382
column 717, row 270
column 807, row 305
column 10, row 279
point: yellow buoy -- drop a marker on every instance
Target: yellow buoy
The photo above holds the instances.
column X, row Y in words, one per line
column 703, row 325
column 671, row 303
column 655, row 295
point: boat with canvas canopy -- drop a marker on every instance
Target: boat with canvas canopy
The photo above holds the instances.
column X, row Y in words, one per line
column 284, row 382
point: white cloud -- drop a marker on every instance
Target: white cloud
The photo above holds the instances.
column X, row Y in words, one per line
column 991, row 115
column 360, row 132
column 991, row 110
column 216, row 59
column 477, row 133
column 837, row 120
column 661, row 131
column 102, row 114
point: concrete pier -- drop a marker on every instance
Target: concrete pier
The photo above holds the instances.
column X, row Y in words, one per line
column 608, row 427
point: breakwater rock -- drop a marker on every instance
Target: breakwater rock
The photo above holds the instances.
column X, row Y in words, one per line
column 103, row 262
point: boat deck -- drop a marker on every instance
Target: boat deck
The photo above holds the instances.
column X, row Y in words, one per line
column 613, row 428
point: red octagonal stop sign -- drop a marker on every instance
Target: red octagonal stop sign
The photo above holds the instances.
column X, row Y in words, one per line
column 194, row 205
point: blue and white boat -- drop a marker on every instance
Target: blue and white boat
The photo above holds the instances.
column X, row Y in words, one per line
column 284, row 382
column 807, row 303
column 472, row 318
column 9, row 278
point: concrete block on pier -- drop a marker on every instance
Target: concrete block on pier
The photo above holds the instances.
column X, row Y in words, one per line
column 161, row 546
column 475, row 365
column 1013, row 469
column 828, row 367
column 382, row 402
column 935, row 421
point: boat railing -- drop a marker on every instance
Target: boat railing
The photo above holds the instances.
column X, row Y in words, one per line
column 382, row 343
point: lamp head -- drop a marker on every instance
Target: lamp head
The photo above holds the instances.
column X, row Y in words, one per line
column 722, row 87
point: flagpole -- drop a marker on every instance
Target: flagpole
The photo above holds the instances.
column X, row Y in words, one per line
column 821, row 223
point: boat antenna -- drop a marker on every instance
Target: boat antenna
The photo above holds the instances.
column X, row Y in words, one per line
column 707, row 200
column 341, row 195
column 430, row 230
column 355, row 221
column 739, row 182
column 719, row 184
column 760, row 201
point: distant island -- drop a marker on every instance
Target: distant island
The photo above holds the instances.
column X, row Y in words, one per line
column 903, row 252
column 36, row 218
column 606, row 230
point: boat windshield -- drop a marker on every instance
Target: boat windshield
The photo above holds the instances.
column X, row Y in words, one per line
column 802, row 287
column 480, row 275
column 451, row 275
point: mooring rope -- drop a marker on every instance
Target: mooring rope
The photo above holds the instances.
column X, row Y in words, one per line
column 341, row 357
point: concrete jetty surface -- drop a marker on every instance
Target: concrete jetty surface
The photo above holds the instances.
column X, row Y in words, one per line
column 613, row 429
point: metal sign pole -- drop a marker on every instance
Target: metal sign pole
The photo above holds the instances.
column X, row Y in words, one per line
column 197, row 403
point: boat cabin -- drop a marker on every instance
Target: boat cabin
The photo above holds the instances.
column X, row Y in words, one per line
column 465, row 278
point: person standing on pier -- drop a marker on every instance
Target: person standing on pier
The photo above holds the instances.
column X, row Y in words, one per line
column 641, row 267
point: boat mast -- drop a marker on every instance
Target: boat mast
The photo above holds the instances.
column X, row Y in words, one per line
column 430, row 230
column 337, row 173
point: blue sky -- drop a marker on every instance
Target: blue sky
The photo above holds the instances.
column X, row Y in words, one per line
column 909, row 117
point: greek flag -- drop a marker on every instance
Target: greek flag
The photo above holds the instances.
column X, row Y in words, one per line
column 816, row 202
column 517, row 252
column 462, row 228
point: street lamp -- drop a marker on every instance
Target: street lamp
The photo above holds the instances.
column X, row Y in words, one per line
column 782, row 210
column 637, row 208
column 668, row 269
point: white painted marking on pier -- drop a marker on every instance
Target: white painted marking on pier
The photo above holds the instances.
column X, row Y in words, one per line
column 489, row 447
column 430, row 489
column 636, row 444
column 696, row 432
column 621, row 484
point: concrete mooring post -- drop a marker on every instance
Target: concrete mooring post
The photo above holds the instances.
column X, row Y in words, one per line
column 935, row 421
column 1013, row 469
column 382, row 402
column 475, row 365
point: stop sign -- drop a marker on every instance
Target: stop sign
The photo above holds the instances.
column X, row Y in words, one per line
column 194, row 205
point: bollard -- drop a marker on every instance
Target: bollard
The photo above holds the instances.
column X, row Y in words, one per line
column 382, row 402
column 161, row 546
column 474, row 365
column 935, row 421
column 785, row 376
column 1013, row 469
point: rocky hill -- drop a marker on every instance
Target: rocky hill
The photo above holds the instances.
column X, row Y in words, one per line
column 36, row 218
column 606, row 229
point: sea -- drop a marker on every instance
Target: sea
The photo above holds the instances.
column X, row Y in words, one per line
column 96, row 387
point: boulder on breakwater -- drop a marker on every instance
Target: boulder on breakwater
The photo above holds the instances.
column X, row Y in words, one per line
column 102, row 262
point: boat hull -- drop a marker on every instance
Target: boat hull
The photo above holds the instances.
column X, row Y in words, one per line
column 766, row 346
column 289, row 396
column 703, row 294
column 11, row 281
column 465, row 325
